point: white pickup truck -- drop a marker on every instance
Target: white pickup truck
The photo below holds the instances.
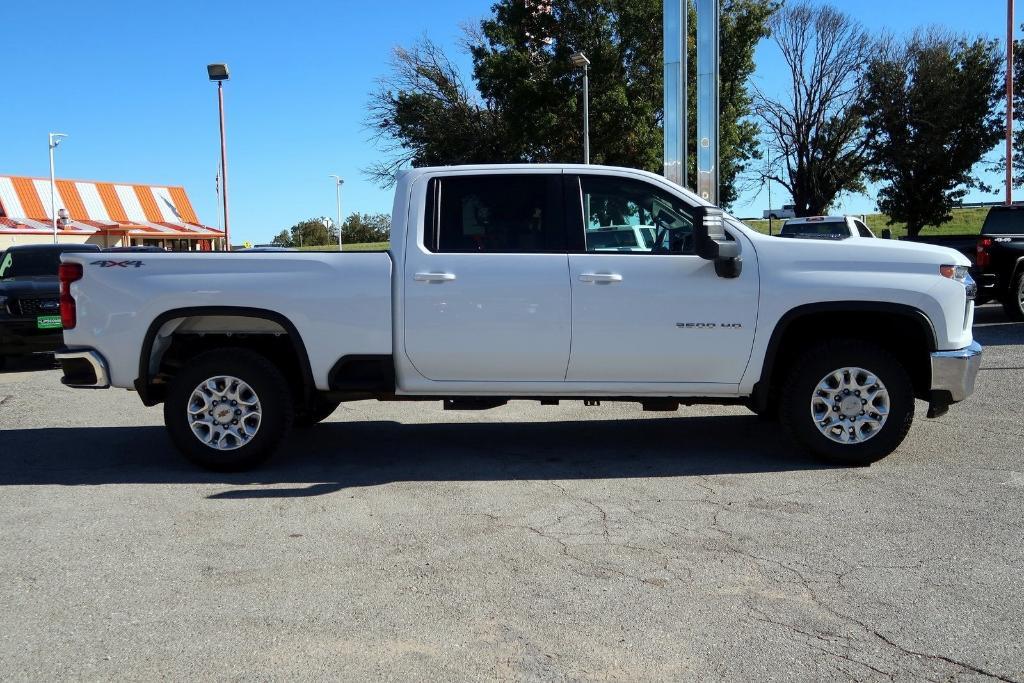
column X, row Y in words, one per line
column 501, row 284
column 826, row 228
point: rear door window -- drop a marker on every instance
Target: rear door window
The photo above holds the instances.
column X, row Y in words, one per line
column 497, row 214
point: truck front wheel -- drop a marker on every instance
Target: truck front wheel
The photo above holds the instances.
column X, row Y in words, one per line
column 228, row 410
column 851, row 403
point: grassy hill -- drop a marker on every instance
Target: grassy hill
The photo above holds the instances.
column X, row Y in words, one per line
column 367, row 246
column 965, row 222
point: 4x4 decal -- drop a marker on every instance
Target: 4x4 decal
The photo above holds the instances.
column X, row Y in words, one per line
column 118, row 264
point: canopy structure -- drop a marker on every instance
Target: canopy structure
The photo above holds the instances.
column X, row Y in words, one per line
column 116, row 211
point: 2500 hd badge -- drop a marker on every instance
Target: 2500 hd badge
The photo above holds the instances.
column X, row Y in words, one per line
column 710, row 326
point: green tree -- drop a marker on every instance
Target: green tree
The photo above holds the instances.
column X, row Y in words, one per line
column 931, row 114
column 815, row 132
column 423, row 114
column 283, row 239
column 313, row 232
column 365, row 227
column 528, row 97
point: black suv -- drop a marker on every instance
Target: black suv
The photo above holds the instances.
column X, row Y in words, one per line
column 30, row 298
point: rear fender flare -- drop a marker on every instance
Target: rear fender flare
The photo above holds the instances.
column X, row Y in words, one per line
column 144, row 380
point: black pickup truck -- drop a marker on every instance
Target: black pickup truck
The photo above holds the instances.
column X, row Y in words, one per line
column 999, row 259
column 997, row 254
column 30, row 298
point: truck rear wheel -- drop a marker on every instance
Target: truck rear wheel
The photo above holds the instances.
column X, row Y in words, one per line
column 1014, row 301
column 851, row 403
column 228, row 410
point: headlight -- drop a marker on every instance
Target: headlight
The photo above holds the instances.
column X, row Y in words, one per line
column 958, row 273
column 962, row 275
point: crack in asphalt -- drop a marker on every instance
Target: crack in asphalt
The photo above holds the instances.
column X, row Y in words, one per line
column 823, row 641
column 816, row 599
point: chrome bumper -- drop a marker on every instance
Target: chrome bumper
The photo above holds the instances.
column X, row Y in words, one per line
column 83, row 368
column 954, row 372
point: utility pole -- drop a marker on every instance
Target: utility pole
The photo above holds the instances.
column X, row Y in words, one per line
column 55, row 139
column 338, row 182
column 218, row 73
column 1009, row 102
column 579, row 60
column 768, row 162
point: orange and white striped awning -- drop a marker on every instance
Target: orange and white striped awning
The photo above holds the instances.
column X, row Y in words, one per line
column 142, row 210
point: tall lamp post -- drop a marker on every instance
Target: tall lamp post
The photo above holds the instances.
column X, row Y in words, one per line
column 338, row 182
column 580, row 61
column 55, row 139
column 218, row 73
column 1009, row 102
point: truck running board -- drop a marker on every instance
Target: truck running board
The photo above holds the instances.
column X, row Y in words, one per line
column 473, row 403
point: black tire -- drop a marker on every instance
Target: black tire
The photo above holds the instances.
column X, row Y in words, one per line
column 3, row 362
column 1013, row 304
column 770, row 413
column 316, row 411
column 274, row 400
column 803, row 381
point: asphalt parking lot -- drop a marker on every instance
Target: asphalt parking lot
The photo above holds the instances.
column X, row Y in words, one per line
column 400, row 541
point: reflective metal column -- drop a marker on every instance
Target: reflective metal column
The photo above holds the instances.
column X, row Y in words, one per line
column 707, row 99
column 675, row 33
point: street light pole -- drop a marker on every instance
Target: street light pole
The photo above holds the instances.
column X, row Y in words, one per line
column 338, row 182
column 580, row 60
column 1009, row 102
column 55, row 139
column 218, row 73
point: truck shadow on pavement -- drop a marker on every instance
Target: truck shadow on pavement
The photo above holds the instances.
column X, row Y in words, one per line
column 992, row 327
column 339, row 455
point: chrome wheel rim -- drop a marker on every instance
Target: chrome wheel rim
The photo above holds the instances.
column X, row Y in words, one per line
column 224, row 413
column 850, row 405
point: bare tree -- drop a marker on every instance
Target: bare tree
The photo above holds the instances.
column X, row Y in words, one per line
column 815, row 130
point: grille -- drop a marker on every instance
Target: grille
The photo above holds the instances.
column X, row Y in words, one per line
column 39, row 306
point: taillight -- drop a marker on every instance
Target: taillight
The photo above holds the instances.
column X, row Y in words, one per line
column 982, row 257
column 68, row 273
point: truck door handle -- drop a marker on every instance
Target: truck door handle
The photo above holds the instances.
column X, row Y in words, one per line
column 601, row 278
column 434, row 277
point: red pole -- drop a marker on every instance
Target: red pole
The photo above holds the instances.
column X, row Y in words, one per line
column 224, row 164
column 1009, row 102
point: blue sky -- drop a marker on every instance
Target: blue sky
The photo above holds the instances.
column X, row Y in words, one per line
column 127, row 82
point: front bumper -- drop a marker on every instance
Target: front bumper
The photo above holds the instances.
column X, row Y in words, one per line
column 954, row 372
column 83, row 368
column 22, row 336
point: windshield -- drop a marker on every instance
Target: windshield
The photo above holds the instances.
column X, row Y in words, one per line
column 31, row 263
column 1008, row 221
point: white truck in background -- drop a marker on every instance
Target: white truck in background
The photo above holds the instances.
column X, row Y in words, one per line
column 501, row 284
column 826, row 228
column 787, row 211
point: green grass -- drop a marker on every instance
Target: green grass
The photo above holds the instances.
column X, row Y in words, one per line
column 365, row 246
column 965, row 222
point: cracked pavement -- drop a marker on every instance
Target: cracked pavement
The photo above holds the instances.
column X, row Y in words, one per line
column 401, row 541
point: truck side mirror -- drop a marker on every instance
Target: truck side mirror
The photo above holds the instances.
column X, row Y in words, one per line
column 714, row 245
